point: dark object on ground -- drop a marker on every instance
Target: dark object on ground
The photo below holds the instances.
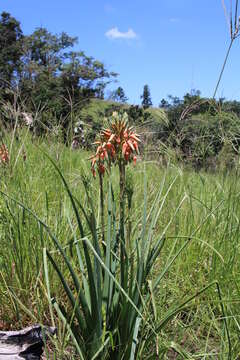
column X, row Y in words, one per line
column 24, row 344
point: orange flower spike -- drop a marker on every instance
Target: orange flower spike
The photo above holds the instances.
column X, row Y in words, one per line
column 101, row 169
column 109, row 146
column 91, row 157
column 105, row 153
column 97, row 143
column 119, row 139
column 113, row 152
column 126, row 155
column 94, row 161
column 102, row 155
column 106, row 132
column 98, row 150
column 134, row 137
column 124, row 148
column 93, row 172
column 4, row 154
column 131, row 145
column 111, row 137
column 135, row 144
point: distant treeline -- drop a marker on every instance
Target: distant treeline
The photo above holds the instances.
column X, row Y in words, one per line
column 203, row 132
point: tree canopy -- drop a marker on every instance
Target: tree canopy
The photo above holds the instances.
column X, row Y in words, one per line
column 44, row 66
column 119, row 95
column 11, row 37
column 146, row 97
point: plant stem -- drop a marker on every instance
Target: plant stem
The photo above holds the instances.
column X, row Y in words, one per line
column 122, row 182
column 122, row 193
column 102, row 208
column 223, row 67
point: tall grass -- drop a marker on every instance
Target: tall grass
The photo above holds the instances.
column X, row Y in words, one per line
column 204, row 232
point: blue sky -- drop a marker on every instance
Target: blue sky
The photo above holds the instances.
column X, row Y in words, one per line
column 171, row 45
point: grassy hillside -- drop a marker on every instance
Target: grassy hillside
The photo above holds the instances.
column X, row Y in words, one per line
column 95, row 110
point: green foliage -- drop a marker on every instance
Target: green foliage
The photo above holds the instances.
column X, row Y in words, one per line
column 198, row 128
column 135, row 113
column 146, row 97
column 11, row 37
column 231, row 106
column 59, row 78
column 119, row 95
column 202, row 137
column 41, row 63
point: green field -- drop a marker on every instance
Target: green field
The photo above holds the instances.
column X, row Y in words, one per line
column 199, row 218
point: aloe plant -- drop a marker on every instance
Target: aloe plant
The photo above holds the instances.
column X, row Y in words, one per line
column 113, row 294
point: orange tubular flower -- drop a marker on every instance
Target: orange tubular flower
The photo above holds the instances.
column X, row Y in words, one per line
column 101, row 169
column 127, row 155
column 4, row 156
column 93, row 162
column 111, row 138
column 93, row 172
column 131, row 145
column 124, row 148
column 134, row 137
column 135, row 144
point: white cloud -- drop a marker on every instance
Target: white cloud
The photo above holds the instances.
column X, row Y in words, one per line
column 114, row 33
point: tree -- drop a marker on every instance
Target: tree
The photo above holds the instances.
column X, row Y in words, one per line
column 193, row 96
column 164, row 104
column 119, row 95
column 11, row 37
column 48, row 74
column 175, row 101
column 43, row 55
column 84, row 76
column 146, row 97
column 51, row 73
